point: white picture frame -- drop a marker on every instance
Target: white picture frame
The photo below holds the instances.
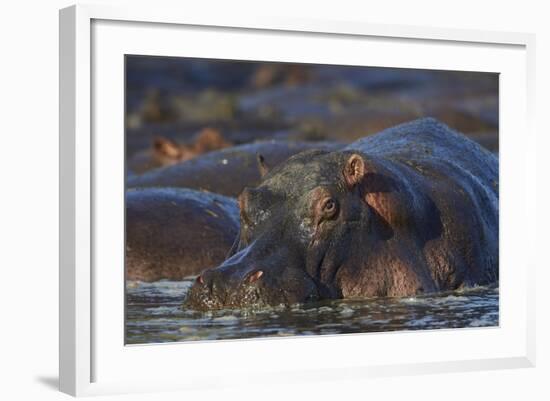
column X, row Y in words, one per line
column 95, row 361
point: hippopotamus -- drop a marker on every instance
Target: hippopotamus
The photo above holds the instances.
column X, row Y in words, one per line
column 408, row 211
column 166, row 152
column 227, row 171
column 175, row 233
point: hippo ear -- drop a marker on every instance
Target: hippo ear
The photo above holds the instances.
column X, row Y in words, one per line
column 262, row 166
column 210, row 139
column 166, row 147
column 354, row 170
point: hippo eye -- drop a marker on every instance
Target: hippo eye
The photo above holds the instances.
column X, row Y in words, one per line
column 329, row 206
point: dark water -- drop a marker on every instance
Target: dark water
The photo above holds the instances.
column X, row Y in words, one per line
column 154, row 315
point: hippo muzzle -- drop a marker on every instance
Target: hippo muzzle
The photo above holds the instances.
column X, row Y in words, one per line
column 244, row 280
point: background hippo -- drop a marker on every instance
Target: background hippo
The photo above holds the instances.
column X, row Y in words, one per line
column 166, row 152
column 410, row 210
column 227, row 171
column 175, row 233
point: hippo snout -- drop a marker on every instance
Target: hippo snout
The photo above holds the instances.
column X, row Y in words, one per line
column 221, row 283
column 217, row 280
column 219, row 288
column 256, row 276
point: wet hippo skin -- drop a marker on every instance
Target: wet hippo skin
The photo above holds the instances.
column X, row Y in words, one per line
column 175, row 233
column 411, row 210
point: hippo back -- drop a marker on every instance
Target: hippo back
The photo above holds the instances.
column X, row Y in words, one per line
column 432, row 144
column 172, row 233
column 449, row 185
column 226, row 171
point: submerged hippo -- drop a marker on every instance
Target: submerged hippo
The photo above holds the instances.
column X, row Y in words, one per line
column 411, row 210
column 166, row 152
column 226, row 171
column 174, row 233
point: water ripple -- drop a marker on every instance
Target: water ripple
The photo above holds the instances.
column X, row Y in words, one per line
column 154, row 315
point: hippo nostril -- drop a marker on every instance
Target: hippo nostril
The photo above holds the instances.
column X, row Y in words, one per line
column 255, row 276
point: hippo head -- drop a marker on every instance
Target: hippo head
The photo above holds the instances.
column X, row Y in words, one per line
column 297, row 230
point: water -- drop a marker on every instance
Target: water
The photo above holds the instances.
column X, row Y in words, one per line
column 154, row 315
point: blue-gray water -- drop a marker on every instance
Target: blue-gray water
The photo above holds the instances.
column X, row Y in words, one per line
column 154, row 315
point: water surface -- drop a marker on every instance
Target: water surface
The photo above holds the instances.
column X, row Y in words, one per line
column 154, row 315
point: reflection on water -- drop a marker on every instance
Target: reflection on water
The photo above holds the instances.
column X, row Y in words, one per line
column 154, row 315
